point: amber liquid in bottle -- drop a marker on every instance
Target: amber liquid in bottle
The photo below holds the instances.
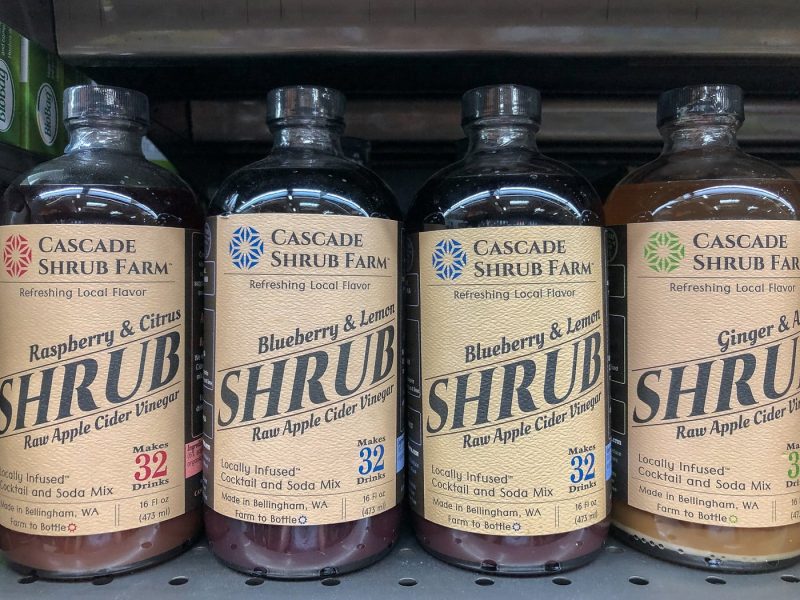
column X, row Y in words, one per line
column 702, row 175
column 504, row 181
column 306, row 173
column 82, row 187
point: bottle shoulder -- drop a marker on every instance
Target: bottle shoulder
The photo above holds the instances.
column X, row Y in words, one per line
column 102, row 168
column 705, row 186
column 699, row 165
column 101, row 187
column 306, row 183
column 506, row 189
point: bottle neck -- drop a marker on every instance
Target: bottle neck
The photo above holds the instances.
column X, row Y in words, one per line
column 115, row 136
column 496, row 134
column 311, row 135
column 715, row 133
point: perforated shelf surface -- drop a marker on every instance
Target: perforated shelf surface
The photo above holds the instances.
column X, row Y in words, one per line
column 408, row 572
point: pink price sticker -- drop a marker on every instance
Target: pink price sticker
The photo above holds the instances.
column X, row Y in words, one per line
column 194, row 458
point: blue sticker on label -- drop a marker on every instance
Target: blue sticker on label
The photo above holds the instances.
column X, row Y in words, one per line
column 608, row 461
column 401, row 452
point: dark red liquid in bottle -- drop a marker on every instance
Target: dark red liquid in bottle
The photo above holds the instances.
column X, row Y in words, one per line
column 104, row 179
column 502, row 181
column 306, row 173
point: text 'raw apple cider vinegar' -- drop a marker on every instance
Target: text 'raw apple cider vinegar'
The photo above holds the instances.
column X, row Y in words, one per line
column 506, row 350
column 100, row 304
column 304, row 447
column 704, row 269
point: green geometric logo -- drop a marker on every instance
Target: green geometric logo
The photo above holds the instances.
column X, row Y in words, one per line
column 664, row 252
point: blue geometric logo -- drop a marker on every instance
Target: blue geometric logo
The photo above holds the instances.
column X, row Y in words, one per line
column 246, row 247
column 449, row 259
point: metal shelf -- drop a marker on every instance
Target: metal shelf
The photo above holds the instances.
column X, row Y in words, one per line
column 152, row 28
column 237, row 49
column 576, row 121
column 408, row 572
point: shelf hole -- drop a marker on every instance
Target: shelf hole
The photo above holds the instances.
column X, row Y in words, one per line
column 254, row 581
column 407, row 581
column 562, row 581
column 484, row 581
column 27, row 579
column 330, row 581
column 638, row 580
column 102, row 580
column 614, row 550
column 716, row 580
column 786, row 578
column 179, row 580
column 147, row 545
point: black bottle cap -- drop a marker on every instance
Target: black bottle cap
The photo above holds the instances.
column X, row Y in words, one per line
column 507, row 100
column 105, row 102
column 305, row 101
column 716, row 99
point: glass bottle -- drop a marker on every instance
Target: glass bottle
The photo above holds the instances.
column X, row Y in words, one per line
column 701, row 186
column 503, row 202
column 100, row 187
column 305, row 185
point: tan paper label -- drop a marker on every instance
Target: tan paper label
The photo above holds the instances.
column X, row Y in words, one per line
column 303, row 426
column 96, row 374
column 512, row 423
column 713, row 413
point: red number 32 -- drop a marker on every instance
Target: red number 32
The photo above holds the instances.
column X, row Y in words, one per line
column 151, row 466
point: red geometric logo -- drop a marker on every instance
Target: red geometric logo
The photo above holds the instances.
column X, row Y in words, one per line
column 17, row 255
